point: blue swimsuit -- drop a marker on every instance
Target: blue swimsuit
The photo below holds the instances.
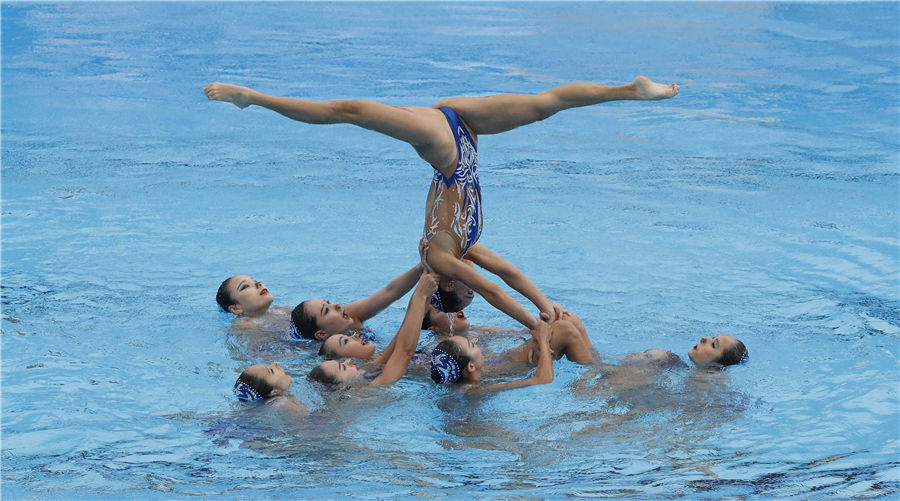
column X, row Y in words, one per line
column 454, row 203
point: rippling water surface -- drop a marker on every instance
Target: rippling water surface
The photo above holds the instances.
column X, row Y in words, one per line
column 761, row 202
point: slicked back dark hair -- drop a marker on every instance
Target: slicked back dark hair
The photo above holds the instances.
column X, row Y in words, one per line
column 305, row 324
column 319, row 375
column 223, row 297
column 450, row 302
column 459, row 355
column 733, row 354
column 324, row 352
column 260, row 385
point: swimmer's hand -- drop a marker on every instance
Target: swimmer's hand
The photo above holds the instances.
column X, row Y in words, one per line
column 556, row 313
column 428, row 284
column 423, row 253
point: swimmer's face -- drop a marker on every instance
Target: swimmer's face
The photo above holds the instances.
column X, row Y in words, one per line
column 272, row 374
column 441, row 322
column 709, row 351
column 343, row 346
column 330, row 317
column 250, row 296
column 653, row 356
column 463, row 292
column 341, row 371
column 471, row 348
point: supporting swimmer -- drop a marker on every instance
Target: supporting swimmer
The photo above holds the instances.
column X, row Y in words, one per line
column 721, row 350
column 397, row 356
column 243, row 295
column 259, row 382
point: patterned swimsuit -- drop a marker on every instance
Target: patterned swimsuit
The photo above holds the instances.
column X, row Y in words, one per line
column 454, row 203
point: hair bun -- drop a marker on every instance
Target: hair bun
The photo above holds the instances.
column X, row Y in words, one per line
column 245, row 392
column 444, row 369
column 436, row 301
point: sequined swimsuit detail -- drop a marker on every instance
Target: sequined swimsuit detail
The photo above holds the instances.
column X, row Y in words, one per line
column 454, row 203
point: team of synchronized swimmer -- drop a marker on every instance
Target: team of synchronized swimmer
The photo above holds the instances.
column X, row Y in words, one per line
column 445, row 281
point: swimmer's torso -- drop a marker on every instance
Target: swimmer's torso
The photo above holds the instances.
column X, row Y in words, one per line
column 454, row 204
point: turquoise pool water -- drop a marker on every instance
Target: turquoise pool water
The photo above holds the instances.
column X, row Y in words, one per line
column 761, row 202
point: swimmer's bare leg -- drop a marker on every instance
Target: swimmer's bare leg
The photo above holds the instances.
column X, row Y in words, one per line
column 567, row 340
column 425, row 129
column 503, row 112
column 576, row 321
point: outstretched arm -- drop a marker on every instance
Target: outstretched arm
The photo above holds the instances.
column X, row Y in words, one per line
column 366, row 308
column 448, row 265
column 544, row 372
column 402, row 348
column 491, row 261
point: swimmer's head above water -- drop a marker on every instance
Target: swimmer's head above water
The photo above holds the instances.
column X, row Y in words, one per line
column 452, row 296
column 457, row 360
column 336, row 372
column 319, row 318
column 445, row 323
column 352, row 345
column 242, row 295
column 347, row 346
column 723, row 350
column 259, row 382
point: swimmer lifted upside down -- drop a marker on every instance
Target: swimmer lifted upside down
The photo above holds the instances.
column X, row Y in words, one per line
column 446, row 136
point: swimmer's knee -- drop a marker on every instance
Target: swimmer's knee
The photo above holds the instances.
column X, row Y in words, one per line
column 566, row 330
column 575, row 319
column 347, row 110
column 546, row 105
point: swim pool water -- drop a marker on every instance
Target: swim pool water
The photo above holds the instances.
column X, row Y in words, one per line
column 762, row 202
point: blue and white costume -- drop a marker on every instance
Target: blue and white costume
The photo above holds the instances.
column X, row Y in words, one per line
column 454, row 203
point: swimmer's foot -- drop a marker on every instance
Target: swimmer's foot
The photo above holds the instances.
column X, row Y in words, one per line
column 648, row 90
column 234, row 94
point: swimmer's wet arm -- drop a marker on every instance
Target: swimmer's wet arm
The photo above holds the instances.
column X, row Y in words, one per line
column 544, row 372
column 398, row 354
column 513, row 276
column 367, row 308
column 451, row 266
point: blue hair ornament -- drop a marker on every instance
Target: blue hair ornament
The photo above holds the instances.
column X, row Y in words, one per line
column 245, row 392
column 745, row 357
column 436, row 301
column 444, row 369
column 294, row 333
